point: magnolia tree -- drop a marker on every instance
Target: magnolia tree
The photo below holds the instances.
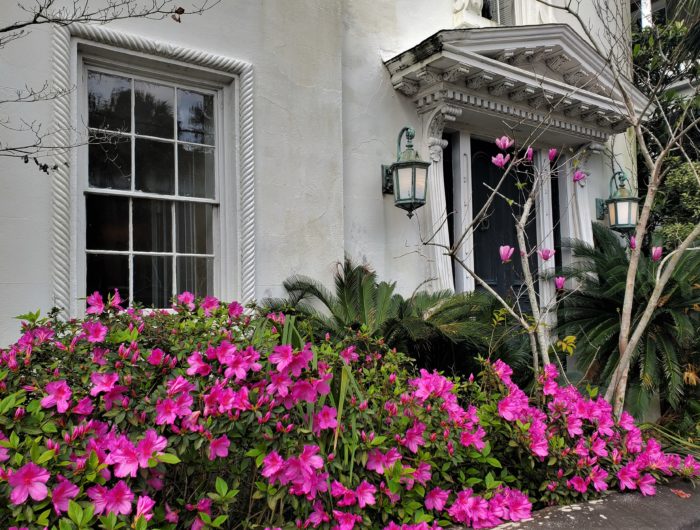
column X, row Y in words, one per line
column 34, row 140
column 676, row 125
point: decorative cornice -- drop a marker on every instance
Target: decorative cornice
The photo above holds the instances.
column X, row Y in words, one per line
column 61, row 197
column 407, row 87
column 476, row 81
column 455, row 73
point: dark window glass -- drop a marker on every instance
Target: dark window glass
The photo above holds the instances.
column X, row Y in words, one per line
column 195, row 171
column 153, row 109
column 194, row 228
column 195, row 275
column 109, row 101
column 107, row 223
column 152, row 225
column 153, row 280
column 155, row 166
column 195, row 117
column 109, row 162
column 105, row 273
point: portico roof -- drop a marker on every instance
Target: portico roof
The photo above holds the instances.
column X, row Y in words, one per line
column 537, row 75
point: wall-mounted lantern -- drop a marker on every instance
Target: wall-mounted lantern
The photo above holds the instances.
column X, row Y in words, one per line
column 407, row 178
column 622, row 205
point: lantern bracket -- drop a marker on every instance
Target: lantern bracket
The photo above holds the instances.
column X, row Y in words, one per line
column 387, row 180
column 600, row 208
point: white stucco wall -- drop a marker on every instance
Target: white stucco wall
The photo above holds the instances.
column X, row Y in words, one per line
column 326, row 118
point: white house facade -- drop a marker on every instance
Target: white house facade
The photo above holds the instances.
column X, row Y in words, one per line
column 226, row 153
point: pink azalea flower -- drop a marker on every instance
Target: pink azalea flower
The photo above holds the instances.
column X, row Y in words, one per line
column 346, row 496
column 499, row 160
column 546, row 254
column 325, row 419
column 273, row 466
column 166, row 412
column 436, row 499
column 125, row 458
column 28, row 481
column 156, row 357
column 317, row 517
column 96, row 305
column 186, row 298
column 528, row 154
column 102, row 383
column 197, row 365
column 235, row 310
column 98, row 496
column 218, row 447
column 282, row 356
column 656, row 253
column 59, row 394
column 349, row 354
column 646, row 485
column 628, row 477
column 118, row 500
column 559, row 282
column 598, row 476
column 151, row 445
column 505, row 251
column 414, row 437
column 579, row 175
column 171, row 515
column 346, row 521
column 95, row 331
column 475, row 438
column 84, row 407
column 579, row 484
column 365, row 494
column 63, row 492
column 209, row 304
column 552, row 154
column 504, row 143
column 144, row 507
column 633, row 242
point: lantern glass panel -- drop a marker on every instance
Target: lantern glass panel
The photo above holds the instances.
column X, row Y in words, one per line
column 634, row 215
column 405, row 183
column 421, row 179
column 623, row 212
column 612, row 212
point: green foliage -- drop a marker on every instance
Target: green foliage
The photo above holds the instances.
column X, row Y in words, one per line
column 591, row 312
column 439, row 330
column 677, row 207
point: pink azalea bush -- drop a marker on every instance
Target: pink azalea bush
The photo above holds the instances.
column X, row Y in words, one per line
column 205, row 416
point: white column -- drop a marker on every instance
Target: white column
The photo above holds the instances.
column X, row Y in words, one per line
column 646, row 11
column 545, row 234
column 461, row 175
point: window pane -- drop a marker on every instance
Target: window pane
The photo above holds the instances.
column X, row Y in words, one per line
column 105, row 273
column 195, row 275
column 153, row 280
column 153, row 109
column 195, row 166
column 152, row 221
column 109, row 162
column 107, row 223
column 155, row 166
column 109, row 101
column 195, row 117
column 194, row 228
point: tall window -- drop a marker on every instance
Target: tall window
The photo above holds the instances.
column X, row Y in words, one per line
column 151, row 197
column 500, row 11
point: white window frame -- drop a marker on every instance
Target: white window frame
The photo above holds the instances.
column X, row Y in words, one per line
column 234, row 274
column 94, row 63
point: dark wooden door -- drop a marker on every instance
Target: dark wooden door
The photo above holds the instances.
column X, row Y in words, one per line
column 498, row 228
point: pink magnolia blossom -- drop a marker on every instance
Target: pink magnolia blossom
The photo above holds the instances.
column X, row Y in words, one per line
column 559, row 282
column 656, row 253
column 59, row 394
column 28, row 481
column 633, row 242
column 528, row 154
column 553, row 154
column 63, row 492
column 144, row 507
column 218, row 447
column 546, row 253
column 579, row 175
column 504, row 143
column 96, row 305
column 505, row 252
column 499, row 160
column 95, row 331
